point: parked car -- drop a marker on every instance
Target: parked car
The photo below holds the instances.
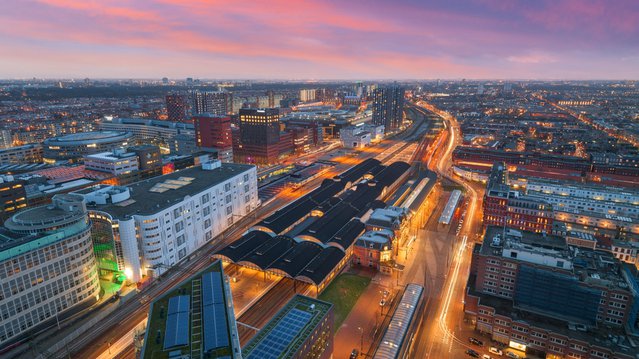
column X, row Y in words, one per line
column 495, row 350
column 476, row 341
column 354, row 354
column 472, row 353
column 486, row 356
column 512, row 355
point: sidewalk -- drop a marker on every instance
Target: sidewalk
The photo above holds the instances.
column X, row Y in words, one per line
column 349, row 336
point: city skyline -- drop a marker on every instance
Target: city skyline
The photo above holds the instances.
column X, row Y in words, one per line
column 311, row 40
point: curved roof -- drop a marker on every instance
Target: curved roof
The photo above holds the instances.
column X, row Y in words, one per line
column 244, row 246
column 323, row 264
column 391, row 173
column 356, row 172
column 85, row 138
column 269, row 251
column 296, row 258
column 347, row 234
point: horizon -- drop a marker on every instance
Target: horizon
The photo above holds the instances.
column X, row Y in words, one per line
column 473, row 39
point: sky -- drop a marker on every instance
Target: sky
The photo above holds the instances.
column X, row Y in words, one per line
column 315, row 40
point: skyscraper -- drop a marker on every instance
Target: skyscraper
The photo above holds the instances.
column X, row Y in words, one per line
column 177, row 107
column 215, row 103
column 388, row 105
column 213, row 131
column 259, row 135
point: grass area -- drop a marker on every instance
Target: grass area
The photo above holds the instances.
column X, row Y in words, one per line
column 343, row 292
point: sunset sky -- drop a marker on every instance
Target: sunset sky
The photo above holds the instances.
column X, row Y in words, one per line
column 279, row 39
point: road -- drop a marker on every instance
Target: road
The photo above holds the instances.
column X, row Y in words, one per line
column 98, row 339
column 445, row 259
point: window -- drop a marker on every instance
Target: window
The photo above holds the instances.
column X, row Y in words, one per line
column 229, row 210
column 228, row 199
column 179, row 226
column 247, row 199
column 246, row 177
column 209, row 236
column 227, row 187
column 246, row 188
column 205, row 198
column 206, row 211
column 207, row 223
column 180, row 240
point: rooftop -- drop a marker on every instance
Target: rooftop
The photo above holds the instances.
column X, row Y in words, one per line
column 85, row 138
column 283, row 335
column 216, row 330
column 146, row 199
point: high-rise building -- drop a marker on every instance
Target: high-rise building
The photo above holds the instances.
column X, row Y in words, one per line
column 259, row 136
column 48, row 266
column 214, row 131
column 13, row 196
column 212, row 102
column 307, row 95
column 177, row 107
column 388, row 107
column 160, row 221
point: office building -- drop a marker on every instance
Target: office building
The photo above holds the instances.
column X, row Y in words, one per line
column 537, row 294
column 211, row 102
column 21, row 154
column 259, row 136
column 149, row 156
column 6, row 139
column 13, row 196
column 177, row 107
column 76, row 146
column 388, row 107
column 194, row 320
column 116, row 162
column 47, row 266
column 162, row 220
column 214, row 131
column 302, row 329
column 160, row 133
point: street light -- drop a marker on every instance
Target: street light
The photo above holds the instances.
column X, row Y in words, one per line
column 361, row 339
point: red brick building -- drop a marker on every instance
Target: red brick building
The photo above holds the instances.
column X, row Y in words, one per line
column 214, row 131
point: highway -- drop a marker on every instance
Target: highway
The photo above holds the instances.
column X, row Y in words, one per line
column 98, row 339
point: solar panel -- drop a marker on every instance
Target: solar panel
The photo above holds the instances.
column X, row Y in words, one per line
column 281, row 336
column 177, row 330
column 216, row 333
column 179, row 304
column 212, row 288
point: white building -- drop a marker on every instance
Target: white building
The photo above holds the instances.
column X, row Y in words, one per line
column 116, row 163
column 161, row 221
column 361, row 135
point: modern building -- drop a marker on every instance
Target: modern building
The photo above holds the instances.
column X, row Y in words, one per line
column 177, row 107
column 211, row 102
column 13, row 196
column 194, row 320
column 388, row 107
column 214, row 131
column 47, row 266
column 183, row 145
column 160, row 221
column 6, row 139
column 159, row 133
column 259, row 136
column 76, row 146
column 303, row 328
column 116, row 162
column 21, row 154
column 149, row 156
column 535, row 293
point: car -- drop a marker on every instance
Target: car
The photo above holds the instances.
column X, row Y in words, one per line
column 486, row 356
column 495, row 350
column 354, row 354
column 512, row 355
column 382, row 303
column 476, row 341
column 472, row 353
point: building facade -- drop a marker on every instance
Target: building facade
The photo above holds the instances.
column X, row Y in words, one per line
column 388, row 107
column 13, row 196
column 21, row 154
column 211, row 102
column 214, row 131
column 259, row 136
column 117, row 162
column 78, row 145
column 47, row 266
column 161, row 221
column 177, row 107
